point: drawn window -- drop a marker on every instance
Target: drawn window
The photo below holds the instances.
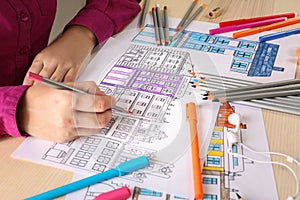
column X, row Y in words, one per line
column 145, row 96
column 244, row 54
column 216, row 134
column 235, row 161
column 208, row 180
column 141, row 103
column 214, row 147
column 217, row 50
column 246, row 45
column 210, row 197
column 213, row 161
column 237, row 64
column 205, row 48
column 223, row 41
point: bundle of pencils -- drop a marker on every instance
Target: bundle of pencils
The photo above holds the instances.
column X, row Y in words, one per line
column 282, row 96
column 161, row 25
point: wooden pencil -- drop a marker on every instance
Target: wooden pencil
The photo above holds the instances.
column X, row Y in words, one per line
column 187, row 14
column 157, row 39
column 144, row 13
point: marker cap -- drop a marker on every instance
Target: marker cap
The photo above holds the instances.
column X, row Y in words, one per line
column 132, row 165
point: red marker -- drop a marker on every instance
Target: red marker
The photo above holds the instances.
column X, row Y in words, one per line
column 118, row 194
column 248, row 20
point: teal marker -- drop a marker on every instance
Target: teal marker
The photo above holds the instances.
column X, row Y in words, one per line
column 120, row 170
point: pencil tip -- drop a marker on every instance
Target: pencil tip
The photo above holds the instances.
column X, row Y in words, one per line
column 205, row 98
column 238, row 196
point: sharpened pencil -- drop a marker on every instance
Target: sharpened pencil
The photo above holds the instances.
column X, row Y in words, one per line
column 157, row 39
column 144, row 13
column 166, row 25
column 186, row 15
column 189, row 20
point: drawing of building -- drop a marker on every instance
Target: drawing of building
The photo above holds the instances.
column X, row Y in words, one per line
column 249, row 57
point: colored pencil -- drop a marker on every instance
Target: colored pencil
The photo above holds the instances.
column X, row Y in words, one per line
column 144, row 13
column 256, row 19
column 252, row 31
column 53, row 83
column 246, row 25
column 166, row 25
column 186, row 15
column 157, row 38
column 266, row 105
column 253, row 96
column 256, row 91
column 278, row 35
column 189, row 20
column 191, row 116
column 160, row 26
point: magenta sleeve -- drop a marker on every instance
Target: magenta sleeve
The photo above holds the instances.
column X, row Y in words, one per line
column 106, row 17
column 9, row 99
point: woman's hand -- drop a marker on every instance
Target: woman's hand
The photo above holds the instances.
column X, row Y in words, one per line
column 62, row 115
column 66, row 57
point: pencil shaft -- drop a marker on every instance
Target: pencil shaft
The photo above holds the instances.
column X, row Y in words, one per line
column 265, row 105
column 62, row 86
column 285, row 102
column 166, row 25
column 157, row 38
column 144, row 13
column 160, row 26
column 260, row 96
column 262, row 85
column 259, row 91
column 186, row 15
column 189, row 20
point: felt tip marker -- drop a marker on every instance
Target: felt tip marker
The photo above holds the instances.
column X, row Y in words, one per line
column 122, row 193
column 40, row 79
column 122, row 169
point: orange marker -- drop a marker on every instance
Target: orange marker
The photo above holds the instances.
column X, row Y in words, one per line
column 252, row 31
column 191, row 116
column 298, row 54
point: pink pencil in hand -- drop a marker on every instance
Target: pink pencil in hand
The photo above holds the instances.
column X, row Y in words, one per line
column 40, row 79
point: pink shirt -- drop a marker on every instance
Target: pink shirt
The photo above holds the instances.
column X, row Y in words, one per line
column 24, row 31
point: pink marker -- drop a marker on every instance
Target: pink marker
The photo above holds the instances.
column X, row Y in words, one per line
column 247, row 25
column 117, row 194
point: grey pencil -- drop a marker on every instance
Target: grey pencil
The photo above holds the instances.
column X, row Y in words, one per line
column 259, row 96
column 265, row 105
column 188, row 21
column 157, row 39
column 257, row 91
column 144, row 13
column 166, row 25
column 283, row 101
column 160, row 25
column 187, row 14
column 263, row 85
column 217, row 77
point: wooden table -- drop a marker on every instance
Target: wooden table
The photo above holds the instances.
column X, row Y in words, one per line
column 21, row 179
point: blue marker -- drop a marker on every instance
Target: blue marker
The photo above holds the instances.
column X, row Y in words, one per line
column 120, row 170
column 274, row 36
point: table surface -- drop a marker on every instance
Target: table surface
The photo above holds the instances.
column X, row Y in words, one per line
column 22, row 179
